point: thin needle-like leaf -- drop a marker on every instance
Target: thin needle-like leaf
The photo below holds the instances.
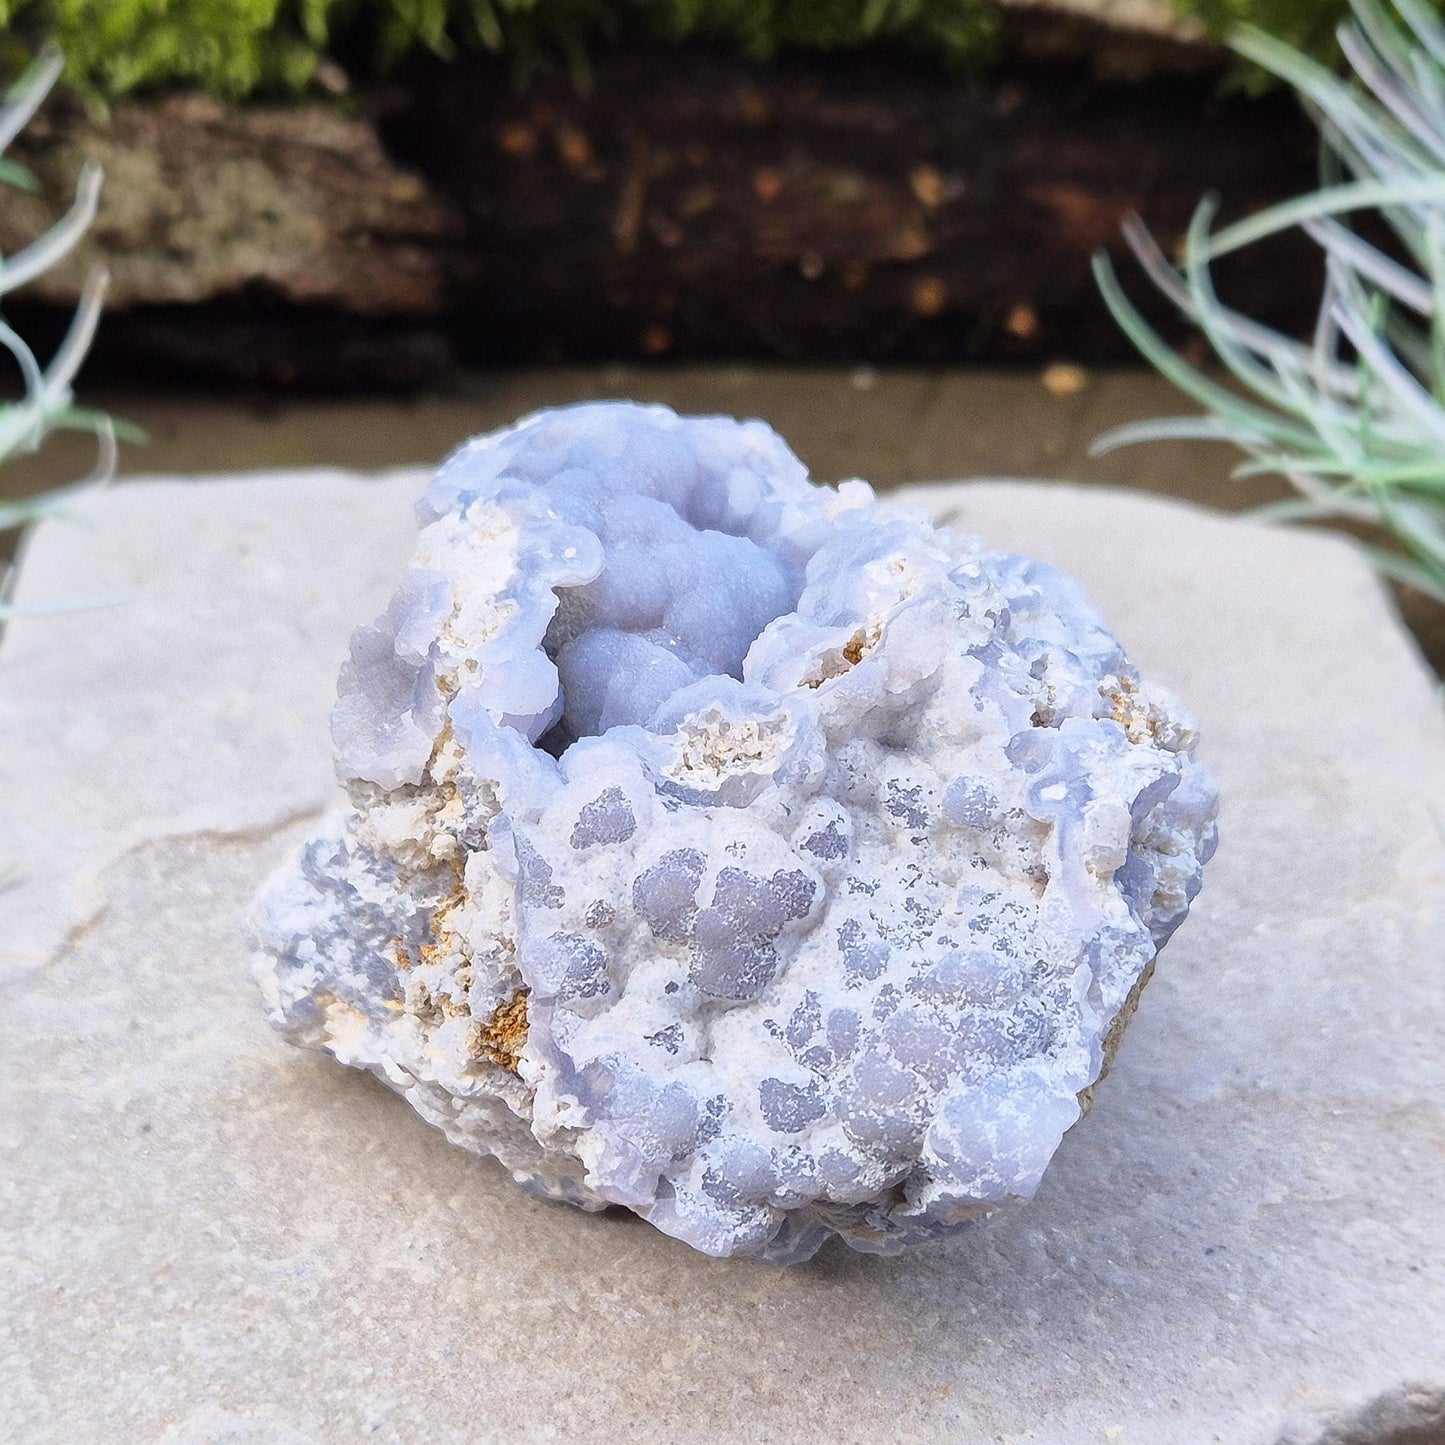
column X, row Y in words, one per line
column 45, row 402
column 1355, row 420
column 1179, row 371
column 1372, row 263
column 1339, row 200
column 41, row 255
column 24, row 100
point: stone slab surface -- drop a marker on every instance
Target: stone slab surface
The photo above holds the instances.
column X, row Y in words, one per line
column 206, row 1236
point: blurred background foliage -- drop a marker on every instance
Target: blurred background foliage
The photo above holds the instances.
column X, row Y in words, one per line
column 234, row 48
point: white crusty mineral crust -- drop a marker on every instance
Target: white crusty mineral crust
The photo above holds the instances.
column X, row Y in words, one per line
column 737, row 850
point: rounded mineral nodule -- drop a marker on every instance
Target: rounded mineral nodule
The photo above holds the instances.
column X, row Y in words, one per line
column 742, row 851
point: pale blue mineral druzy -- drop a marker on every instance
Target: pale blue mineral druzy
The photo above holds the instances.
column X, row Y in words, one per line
column 731, row 848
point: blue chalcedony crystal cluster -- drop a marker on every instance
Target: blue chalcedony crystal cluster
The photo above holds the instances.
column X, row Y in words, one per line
column 741, row 851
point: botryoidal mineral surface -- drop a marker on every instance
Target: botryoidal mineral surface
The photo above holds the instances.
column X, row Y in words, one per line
column 734, row 849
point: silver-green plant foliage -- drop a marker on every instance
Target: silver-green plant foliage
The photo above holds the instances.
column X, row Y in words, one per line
column 1355, row 420
column 47, row 402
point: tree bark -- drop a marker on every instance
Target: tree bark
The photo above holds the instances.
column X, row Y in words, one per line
column 683, row 204
column 691, row 204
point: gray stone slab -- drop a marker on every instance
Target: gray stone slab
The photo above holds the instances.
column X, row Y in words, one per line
column 176, row 711
column 206, row 1236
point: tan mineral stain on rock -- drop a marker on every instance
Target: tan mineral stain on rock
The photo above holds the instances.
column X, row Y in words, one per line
column 1131, row 712
column 503, row 1036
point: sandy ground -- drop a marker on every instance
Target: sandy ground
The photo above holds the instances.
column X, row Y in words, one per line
column 890, row 426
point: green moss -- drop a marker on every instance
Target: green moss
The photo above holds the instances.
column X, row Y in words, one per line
column 228, row 47
column 232, row 48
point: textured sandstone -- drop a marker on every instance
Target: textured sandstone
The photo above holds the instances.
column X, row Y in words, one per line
column 205, row 1235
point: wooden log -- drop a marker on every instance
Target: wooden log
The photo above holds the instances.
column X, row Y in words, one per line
column 692, row 204
column 685, row 204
